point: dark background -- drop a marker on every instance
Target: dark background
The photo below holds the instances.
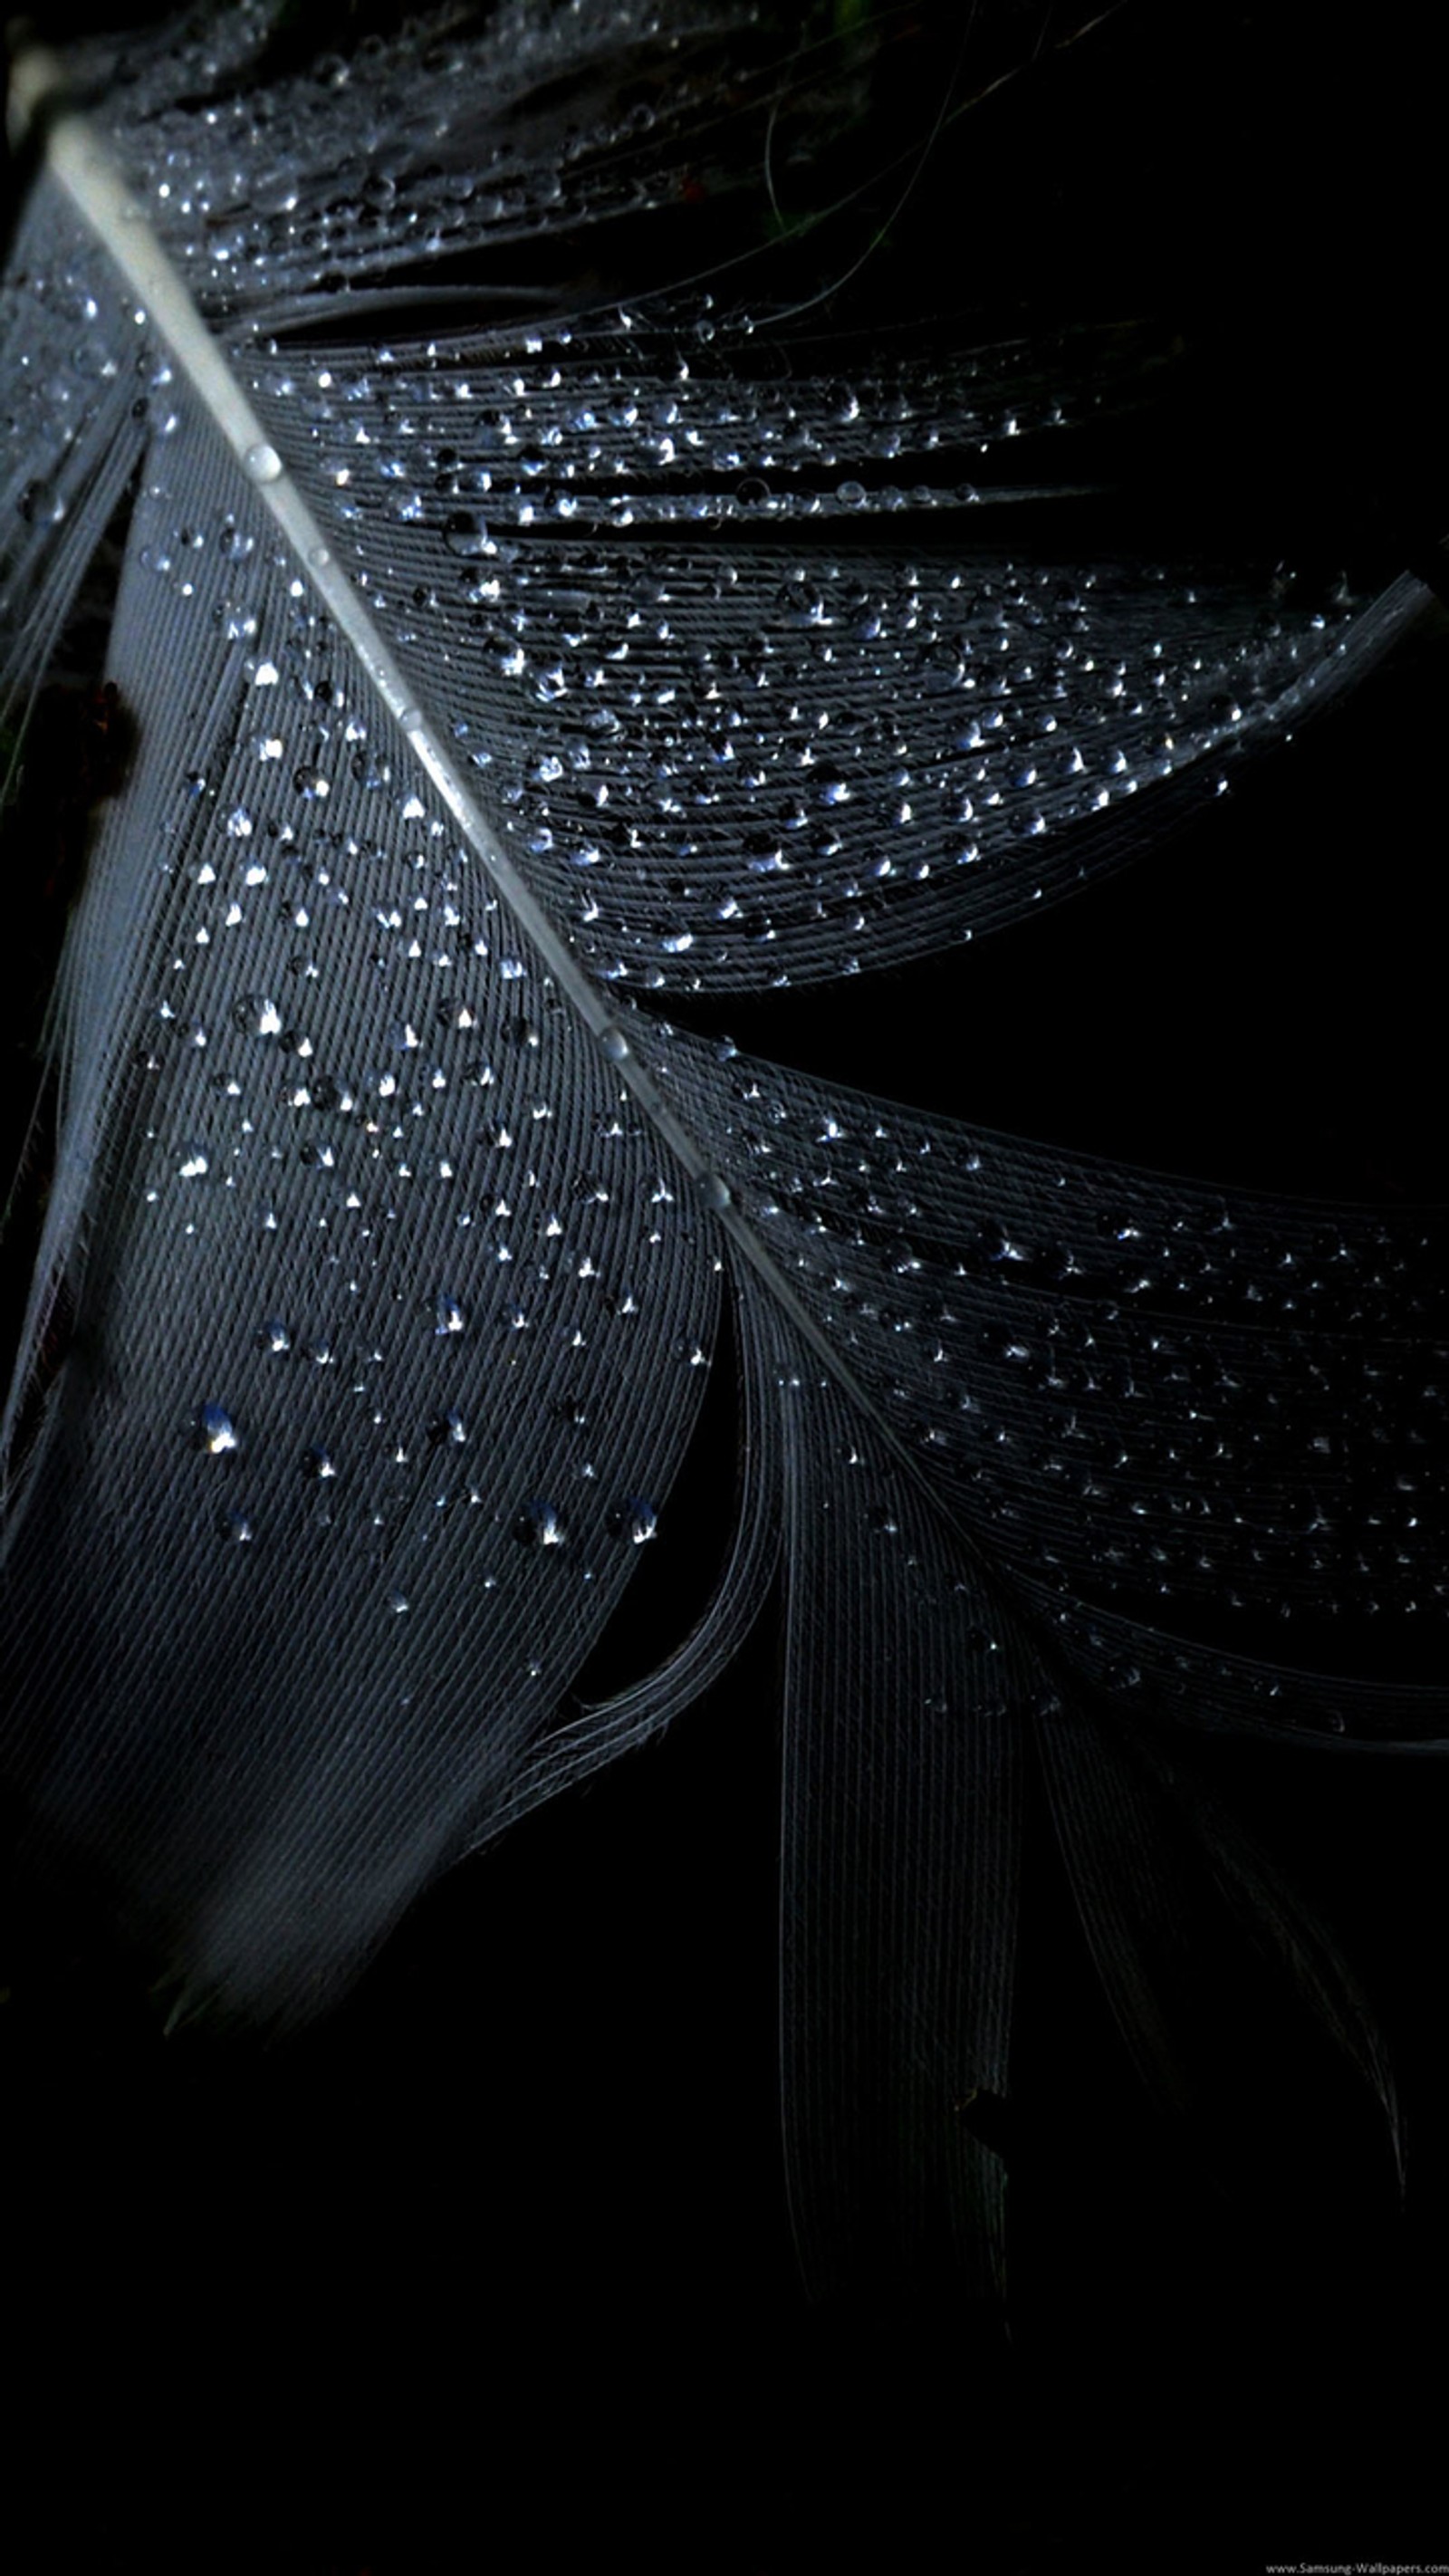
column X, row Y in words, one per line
column 495, row 2268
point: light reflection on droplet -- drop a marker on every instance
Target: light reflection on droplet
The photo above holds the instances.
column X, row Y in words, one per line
column 257, row 1015
column 540, row 1524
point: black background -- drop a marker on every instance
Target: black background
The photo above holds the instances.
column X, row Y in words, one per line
column 495, row 2268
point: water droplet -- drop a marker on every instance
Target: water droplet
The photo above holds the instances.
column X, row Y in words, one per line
column 539, row 1525
column 41, row 505
column 638, row 1521
column 257, row 1016
column 450, row 1316
column 464, row 534
column 216, row 1430
column 235, row 1525
column 262, row 462
column 319, row 1462
column 615, row 1045
column 397, row 1601
column 714, row 1191
column 274, row 1336
column 319, row 558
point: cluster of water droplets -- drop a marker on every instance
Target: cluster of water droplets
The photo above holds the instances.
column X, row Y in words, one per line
column 1142, row 1392
column 401, row 1201
column 83, row 398
column 742, row 761
column 445, row 138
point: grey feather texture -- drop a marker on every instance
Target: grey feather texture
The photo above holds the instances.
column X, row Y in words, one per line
column 404, row 1211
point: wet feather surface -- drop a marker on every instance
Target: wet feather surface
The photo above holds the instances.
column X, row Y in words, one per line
column 636, row 661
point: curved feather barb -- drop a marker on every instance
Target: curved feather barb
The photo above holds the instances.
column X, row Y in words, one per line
column 513, row 673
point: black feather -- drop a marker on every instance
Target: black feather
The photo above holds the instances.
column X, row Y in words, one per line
column 783, row 625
